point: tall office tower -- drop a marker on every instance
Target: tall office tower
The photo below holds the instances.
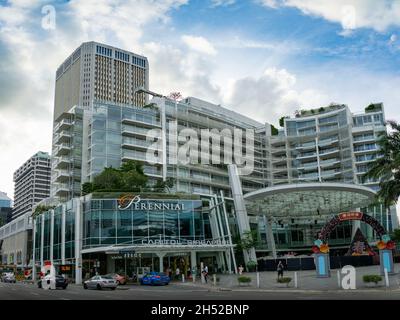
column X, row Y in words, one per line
column 5, row 208
column 32, row 183
column 96, row 71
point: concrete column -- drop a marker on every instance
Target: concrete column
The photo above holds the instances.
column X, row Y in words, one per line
column 240, row 207
column 161, row 256
column 63, row 235
column 78, row 240
column 34, row 250
column 228, row 260
column 355, row 225
column 217, row 213
column 110, row 264
column 51, row 235
column 193, row 261
column 215, row 232
column 41, row 240
column 270, row 236
column 231, row 254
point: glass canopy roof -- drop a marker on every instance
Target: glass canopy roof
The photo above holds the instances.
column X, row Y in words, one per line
column 308, row 199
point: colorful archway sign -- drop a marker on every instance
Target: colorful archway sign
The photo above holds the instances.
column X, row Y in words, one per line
column 321, row 245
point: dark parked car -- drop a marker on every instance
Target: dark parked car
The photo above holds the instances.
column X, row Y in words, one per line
column 155, row 278
column 61, row 282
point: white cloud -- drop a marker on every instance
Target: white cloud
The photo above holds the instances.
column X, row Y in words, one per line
column 30, row 56
column 271, row 96
column 223, row 3
column 351, row 14
column 199, row 44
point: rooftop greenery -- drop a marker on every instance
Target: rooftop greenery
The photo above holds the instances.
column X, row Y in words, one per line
column 374, row 107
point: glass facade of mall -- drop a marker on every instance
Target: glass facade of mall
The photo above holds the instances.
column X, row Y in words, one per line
column 95, row 230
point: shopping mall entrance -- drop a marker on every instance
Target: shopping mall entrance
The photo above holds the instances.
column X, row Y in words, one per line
column 138, row 261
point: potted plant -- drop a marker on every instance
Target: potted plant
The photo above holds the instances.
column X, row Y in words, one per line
column 284, row 282
column 372, row 280
column 243, row 280
column 251, row 266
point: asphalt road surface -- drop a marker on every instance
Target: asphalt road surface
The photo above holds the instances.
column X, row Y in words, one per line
column 22, row 291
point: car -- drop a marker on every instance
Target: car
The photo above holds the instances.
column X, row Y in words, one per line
column 155, row 278
column 8, row 277
column 121, row 279
column 61, row 282
column 100, row 282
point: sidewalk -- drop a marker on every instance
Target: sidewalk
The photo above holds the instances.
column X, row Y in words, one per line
column 306, row 281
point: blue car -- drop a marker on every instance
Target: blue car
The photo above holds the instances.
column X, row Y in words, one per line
column 155, row 278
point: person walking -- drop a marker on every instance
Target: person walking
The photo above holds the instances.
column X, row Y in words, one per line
column 280, row 268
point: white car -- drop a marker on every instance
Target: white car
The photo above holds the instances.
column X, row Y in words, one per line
column 100, row 282
column 8, row 277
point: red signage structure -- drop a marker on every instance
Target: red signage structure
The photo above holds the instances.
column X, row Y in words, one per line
column 350, row 216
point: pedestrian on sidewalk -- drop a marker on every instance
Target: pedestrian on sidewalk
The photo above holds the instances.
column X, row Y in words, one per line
column 280, row 268
column 240, row 269
column 205, row 273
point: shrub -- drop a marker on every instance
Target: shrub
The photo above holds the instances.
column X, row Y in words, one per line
column 284, row 280
column 251, row 265
column 372, row 278
column 244, row 279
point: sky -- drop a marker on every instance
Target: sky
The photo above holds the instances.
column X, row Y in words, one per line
column 262, row 58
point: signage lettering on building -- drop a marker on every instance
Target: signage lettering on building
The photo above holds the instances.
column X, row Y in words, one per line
column 187, row 242
column 350, row 216
column 134, row 201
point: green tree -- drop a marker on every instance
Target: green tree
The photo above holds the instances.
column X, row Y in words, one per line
column 387, row 167
column 87, row 188
column 395, row 235
column 109, row 178
column 246, row 242
column 133, row 180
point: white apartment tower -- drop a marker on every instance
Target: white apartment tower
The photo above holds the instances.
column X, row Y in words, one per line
column 32, row 183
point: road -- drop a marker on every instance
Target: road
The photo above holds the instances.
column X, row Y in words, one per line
column 22, row 291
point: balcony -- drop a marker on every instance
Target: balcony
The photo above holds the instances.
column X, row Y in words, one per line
column 63, row 189
column 62, row 137
column 151, row 171
column 62, row 176
column 132, row 143
column 327, row 142
column 308, row 165
column 64, row 124
column 150, row 123
column 140, row 156
column 309, row 176
column 330, row 162
column 306, row 155
column 330, row 173
column 330, row 151
column 309, row 145
column 62, row 149
column 135, row 131
column 62, row 163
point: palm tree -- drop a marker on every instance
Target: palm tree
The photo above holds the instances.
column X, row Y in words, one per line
column 387, row 167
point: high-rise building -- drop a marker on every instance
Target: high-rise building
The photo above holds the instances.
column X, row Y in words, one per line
column 32, row 183
column 96, row 71
column 85, row 142
column 5, row 208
